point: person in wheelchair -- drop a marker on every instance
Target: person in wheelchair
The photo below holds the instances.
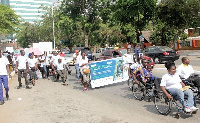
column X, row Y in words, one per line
column 61, row 69
column 150, row 78
column 139, row 74
column 186, row 73
column 171, row 86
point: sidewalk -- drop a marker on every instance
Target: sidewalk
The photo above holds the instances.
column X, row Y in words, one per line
column 189, row 52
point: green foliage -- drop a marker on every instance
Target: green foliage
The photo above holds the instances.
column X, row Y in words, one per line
column 172, row 17
column 162, row 33
column 9, row 21
column 179, row 14
column 97, row 22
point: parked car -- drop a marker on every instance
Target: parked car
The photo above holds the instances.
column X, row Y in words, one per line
column 87, row 51
column 69, row 59
column 161, row 53
column 109, row 54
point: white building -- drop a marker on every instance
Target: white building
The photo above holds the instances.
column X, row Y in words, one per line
column 28, row 10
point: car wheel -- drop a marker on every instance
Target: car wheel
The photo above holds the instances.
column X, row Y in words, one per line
column 156, row 60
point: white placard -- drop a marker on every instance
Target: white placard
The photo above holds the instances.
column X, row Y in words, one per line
column 36, row 45
column 10, row 49
column 45, row 46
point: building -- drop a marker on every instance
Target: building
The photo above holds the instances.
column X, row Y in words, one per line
column 29, row 10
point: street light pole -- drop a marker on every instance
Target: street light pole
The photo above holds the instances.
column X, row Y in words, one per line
column 54, row 44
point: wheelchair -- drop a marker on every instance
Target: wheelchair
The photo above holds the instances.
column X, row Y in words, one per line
column 164, row 105
column 56, row 77
column 142, row 90
column 189, row 82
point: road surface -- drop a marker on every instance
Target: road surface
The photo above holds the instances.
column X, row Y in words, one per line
column 53, row 102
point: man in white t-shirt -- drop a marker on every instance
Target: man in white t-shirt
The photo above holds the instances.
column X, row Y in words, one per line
column 76, row 58
column 22, row 66
column 54, row 59
column 4, row 72
column 83, row 63
column 42, row 61
column 185, row 71
column 61, row 69
column 128, row 60
column 47, row 62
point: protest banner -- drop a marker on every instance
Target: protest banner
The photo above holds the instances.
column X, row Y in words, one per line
column 108, row 72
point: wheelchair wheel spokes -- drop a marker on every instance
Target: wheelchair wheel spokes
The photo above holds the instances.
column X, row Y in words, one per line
column 139, row 91
column 162, row 104
column 55, row 77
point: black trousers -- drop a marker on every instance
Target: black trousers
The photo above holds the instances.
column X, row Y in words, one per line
column 24, row 71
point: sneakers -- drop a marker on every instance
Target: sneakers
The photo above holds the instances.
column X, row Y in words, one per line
column 85, row 89
column 2, row 102
column 193, row 108
column 27, row 87
column 187, row 109
column 18, row 87
column 7, row 96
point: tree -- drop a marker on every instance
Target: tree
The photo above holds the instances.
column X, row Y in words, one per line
column 9, row 21
column 177, row 15
column 84, row 11
column 138, row 13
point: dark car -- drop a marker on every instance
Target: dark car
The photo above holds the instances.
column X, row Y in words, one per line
column 109, row 54
column 87, row 51
column 161, row 53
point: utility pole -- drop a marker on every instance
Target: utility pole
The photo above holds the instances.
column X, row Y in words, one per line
column 54, row 43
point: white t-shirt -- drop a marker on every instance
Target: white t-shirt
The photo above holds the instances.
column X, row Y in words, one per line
column 47, row 60
column 55, row 59
column 22, row 60
column 42, row 62
column 32, row 62
column 171, row 81
column 83, row 61
column 3, row 63
column 185, row 71
column 77, row 58
column 60, row 66
column 128, row 58
column 135, row 65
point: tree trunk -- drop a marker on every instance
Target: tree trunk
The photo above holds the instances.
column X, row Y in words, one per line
column 86, row 40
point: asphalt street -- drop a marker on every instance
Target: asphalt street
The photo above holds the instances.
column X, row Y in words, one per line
column 53, row 102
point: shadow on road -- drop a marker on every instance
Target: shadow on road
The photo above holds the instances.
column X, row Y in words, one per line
column 152, row 109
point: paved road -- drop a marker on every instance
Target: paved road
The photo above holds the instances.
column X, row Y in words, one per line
column 53, row 102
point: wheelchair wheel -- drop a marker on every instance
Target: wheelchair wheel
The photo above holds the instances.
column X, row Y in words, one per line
column 139, row 91
column 55, row 77
column 162, row 103
column 130, row 83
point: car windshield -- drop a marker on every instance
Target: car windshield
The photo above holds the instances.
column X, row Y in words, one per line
column 123, row 51
column 165, row 48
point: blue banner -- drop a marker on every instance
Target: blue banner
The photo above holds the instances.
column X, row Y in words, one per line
column 108, row 72
column 102, row 69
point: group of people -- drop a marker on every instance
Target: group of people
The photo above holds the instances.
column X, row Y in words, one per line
column 28, row 66
column 171, row 83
